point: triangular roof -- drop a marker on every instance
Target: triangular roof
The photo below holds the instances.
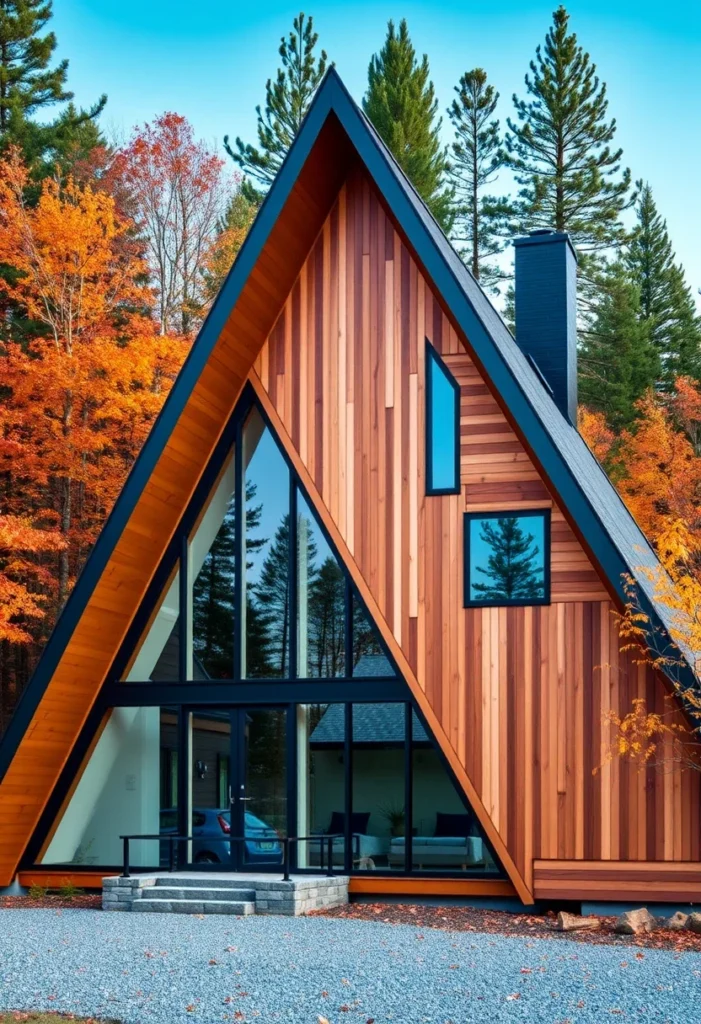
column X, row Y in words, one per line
column 334, row 136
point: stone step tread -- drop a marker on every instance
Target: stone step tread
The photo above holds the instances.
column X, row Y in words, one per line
column 177, row 892
column 241, row 908
column 201, row 883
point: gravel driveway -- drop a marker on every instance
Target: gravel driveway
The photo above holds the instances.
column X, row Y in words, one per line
column 143, row 968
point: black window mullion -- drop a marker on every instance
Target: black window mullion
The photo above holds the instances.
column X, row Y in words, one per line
column 293, row 596
column 184, row 758
column 184, row 602
column 348, row 629
column 348, row 759
column 294, row 828
column 240, row 564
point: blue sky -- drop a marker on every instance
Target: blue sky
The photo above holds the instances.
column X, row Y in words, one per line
column 209, row 61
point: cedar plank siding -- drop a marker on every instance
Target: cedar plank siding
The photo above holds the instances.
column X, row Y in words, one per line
column 519, row 692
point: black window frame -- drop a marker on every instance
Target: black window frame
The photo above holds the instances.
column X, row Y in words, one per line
column 410, row 744
column 526, row 513
column 433, row 356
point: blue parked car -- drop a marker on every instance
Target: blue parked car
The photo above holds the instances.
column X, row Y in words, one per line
column 211, row 829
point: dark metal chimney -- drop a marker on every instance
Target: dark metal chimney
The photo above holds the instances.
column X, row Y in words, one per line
column 546, row 311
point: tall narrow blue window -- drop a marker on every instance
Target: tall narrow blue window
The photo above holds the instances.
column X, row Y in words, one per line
column 442, row 426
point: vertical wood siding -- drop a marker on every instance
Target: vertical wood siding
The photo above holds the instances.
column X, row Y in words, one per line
column 520, row 692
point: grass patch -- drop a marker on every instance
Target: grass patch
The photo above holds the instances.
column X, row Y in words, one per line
column 13, row 1016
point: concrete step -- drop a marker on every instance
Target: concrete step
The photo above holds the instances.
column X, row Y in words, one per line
column 204, row 880
column 240, row 908
column 218, row 893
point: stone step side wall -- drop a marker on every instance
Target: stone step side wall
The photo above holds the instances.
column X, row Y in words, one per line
column 298, row 896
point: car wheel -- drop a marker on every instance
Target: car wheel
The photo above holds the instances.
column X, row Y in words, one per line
column 206, row 858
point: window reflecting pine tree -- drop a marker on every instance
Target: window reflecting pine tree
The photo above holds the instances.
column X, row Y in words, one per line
column 514, row 568
column 213, row 594
column 327, row 603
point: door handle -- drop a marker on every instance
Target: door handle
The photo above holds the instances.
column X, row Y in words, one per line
column 244, row 799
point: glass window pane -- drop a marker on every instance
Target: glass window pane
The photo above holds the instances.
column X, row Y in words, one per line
column 208, row 783
column 321, row 607
column 266, row 593
column 446, row 835
column 443, row 415
column 158, row 658
column 119, row 793
column 506, row 558
column 320, row 782
column 265, row 785
column 212, row 568
column 369, row 658
column 378, row 819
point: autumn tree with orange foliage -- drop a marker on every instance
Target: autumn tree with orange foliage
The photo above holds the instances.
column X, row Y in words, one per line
column 23, row 584
column 657, row 470
column 80, row 397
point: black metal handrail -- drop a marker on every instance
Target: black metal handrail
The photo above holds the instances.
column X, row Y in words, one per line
column 285, row 841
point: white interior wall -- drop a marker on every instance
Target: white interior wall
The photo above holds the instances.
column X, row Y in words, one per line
column 378, row 784
column 157, row 636
column 118, row 793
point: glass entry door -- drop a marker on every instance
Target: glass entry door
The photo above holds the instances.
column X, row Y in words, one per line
column 237, row 787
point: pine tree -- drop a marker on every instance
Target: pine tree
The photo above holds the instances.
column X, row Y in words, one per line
column 28, row 84
column 513, row 571
column 666, row 303
column 400, row 101
column 617, row 361
column 287, row 100
column 271, row 596
column 213, row 595
column 559, row 148
column 231, row 234
column 213, row 604
column 481, row 221
column 327, row 620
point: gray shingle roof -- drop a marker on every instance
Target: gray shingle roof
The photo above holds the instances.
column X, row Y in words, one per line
column 372, row 723
column 373, row 666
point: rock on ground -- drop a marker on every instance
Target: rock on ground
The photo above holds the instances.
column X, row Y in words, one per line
column 634, row 922
column 575, row 923
column 677, row 922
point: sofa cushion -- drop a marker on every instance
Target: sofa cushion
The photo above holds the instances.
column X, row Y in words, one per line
column 358, row 821
column 453, row 824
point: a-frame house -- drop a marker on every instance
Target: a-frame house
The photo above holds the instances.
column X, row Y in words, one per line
column 362, row 575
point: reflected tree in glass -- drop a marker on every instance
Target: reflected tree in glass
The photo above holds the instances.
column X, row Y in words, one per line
column 321, row 604
column 268, row 611
column 213, row 593
column 514, row 568
column 266, row 633
column 369, row 658
column 327, row 605
column 213, row 605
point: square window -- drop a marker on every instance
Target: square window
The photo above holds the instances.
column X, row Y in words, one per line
column 507, row 558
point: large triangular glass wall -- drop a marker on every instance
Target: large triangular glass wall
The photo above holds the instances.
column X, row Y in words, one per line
column 368, row 773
